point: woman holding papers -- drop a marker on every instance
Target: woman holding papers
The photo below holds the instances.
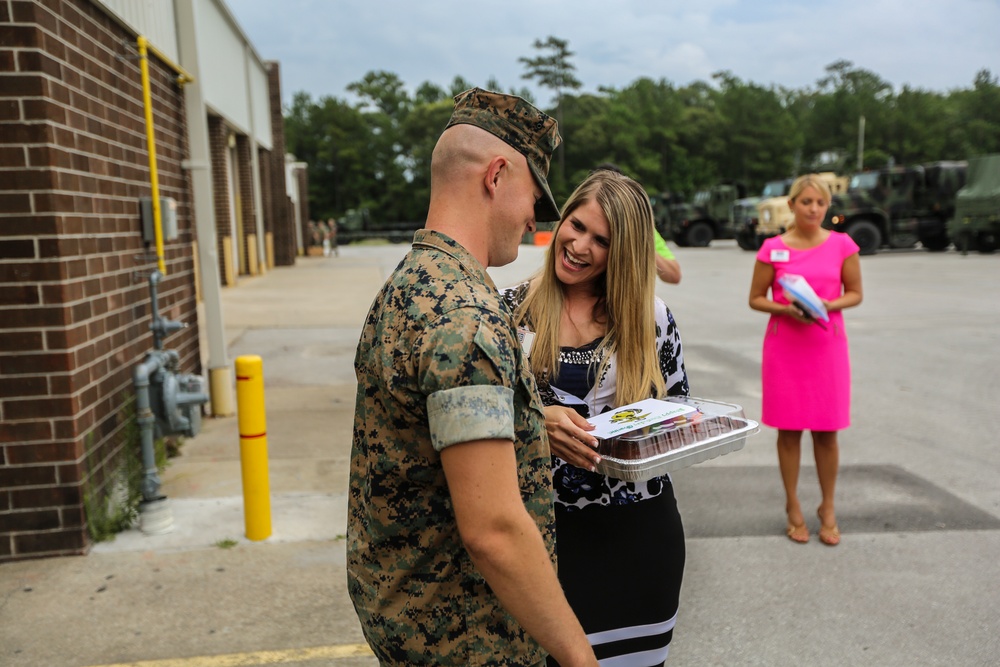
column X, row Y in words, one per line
column 806, row 372
column 597, row 337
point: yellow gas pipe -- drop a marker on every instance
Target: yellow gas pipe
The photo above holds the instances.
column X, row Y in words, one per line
column 182, row 77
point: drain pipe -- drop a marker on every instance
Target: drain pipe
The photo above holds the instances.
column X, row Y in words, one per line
column 155, row 515
column 147, row 424
column 154, row 362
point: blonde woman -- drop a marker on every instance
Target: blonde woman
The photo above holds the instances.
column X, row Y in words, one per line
column 806, row 371
column 603, row 339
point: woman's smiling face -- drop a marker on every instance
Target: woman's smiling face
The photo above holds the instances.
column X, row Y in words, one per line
column 581, row 245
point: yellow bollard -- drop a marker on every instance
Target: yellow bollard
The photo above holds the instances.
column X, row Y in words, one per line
column 253, row 446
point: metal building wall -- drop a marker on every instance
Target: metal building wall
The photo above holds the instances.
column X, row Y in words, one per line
column 235, row 79
column 241, row 100
column 152, row 18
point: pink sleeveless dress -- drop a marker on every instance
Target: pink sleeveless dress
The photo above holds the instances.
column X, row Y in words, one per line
column 806, row 371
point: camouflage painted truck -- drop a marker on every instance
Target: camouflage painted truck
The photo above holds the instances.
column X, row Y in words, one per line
column 774, row 215
column 706, row 217
column 899, row 206
column 661, row 203
column 744, row 213
column 976, row 222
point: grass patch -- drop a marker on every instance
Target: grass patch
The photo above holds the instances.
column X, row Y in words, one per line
column 227, row 543
column 115, row 507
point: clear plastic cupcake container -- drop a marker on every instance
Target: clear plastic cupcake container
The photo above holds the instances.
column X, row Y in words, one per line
column 715, row 430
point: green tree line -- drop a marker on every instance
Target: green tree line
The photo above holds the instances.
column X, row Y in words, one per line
column 375, row 153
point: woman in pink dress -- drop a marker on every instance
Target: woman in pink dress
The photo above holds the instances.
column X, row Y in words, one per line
column 806, row 371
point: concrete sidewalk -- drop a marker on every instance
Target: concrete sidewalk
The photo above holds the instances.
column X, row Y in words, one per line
column 304, row 322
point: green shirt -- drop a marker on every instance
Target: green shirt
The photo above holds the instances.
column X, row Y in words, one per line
column 662, row 249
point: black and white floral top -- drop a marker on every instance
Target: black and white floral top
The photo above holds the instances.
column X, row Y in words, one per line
column 576, row 487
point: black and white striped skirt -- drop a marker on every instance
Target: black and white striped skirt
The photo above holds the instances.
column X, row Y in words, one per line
column 621, row 567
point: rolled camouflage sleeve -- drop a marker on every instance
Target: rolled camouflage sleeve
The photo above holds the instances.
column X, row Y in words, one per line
column 464, row 414
column 467, row 371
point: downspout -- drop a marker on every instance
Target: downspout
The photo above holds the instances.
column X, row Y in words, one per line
column 183, row 77
column 147, row 421
column 213, row 329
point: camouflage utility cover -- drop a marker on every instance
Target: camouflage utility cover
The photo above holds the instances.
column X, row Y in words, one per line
column 530, row 132
column 438, row 364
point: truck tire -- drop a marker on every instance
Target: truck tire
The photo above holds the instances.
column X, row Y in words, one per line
column 700, row 235
column 986, row 243
column 936, row 243
column 867, row 235
column 747, row 240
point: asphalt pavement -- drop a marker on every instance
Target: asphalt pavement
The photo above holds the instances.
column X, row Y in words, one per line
column 915, row 580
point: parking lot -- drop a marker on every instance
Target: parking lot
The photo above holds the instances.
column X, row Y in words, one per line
column 913, row 583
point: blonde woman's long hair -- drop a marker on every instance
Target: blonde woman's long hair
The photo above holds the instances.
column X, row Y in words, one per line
column 803, row 182
column 626, row 291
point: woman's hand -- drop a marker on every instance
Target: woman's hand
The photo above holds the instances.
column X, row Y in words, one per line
column 569, row 438
column 797, row 313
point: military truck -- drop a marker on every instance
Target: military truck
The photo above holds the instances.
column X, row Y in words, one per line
column 975, row 224
column 744, row 213
column 899, row 206
column 706, row 217
column 661, row 204
column 358, row 224
column 774, row 215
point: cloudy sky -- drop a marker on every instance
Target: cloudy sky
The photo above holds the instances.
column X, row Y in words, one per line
column 323, row 45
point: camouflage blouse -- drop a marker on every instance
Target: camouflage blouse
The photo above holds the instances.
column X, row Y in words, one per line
column 438, row 364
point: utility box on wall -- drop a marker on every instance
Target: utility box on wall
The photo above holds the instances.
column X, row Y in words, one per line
column 168, row 219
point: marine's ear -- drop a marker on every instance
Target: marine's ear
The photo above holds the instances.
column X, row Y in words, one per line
column 496, row 170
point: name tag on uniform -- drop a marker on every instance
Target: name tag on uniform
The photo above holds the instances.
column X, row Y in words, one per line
column 779, row 255
column 527, row 339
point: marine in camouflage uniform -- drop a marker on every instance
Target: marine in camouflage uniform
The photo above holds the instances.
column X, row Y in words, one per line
column 439, row 364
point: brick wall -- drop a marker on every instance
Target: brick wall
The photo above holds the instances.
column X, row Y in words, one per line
column 285, row 245
column 74, row 302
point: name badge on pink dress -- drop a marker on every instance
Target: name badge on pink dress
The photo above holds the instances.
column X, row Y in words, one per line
column 779, row 255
